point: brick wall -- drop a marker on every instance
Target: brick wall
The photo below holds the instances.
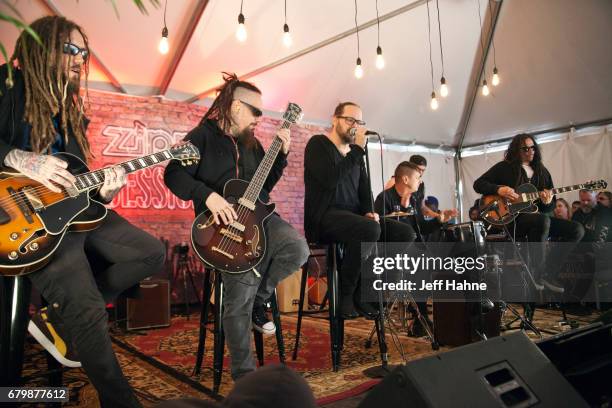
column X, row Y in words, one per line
column 123, row 127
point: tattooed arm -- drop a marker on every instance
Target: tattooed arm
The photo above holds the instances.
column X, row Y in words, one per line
column 114, row 180
column 47, row 170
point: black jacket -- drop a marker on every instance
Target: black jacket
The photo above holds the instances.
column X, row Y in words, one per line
column 505, row 173
column 12, row 110
column 321, row 175
column 217, row 165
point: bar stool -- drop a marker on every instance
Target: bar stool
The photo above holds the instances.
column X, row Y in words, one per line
column 15, row 294
column 336, row 322
column 219, row 336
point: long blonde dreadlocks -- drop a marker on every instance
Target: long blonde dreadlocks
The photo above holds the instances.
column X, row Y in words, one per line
column 47, row 84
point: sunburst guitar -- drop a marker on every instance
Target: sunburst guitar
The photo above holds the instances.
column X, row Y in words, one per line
column 34, row 219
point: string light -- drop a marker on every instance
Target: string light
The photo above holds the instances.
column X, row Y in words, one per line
column 434, row 101
column 287, row 41
column 495, row 79
column 358, row 67
column 241, row 32
column 443, row 85
column 380, row 60
column 164, row 46
column 485, row 88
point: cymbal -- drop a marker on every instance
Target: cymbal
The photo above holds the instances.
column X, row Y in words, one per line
column 398, row 214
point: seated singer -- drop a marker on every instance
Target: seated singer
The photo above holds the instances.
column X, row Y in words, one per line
column 338, row 202
column 229, row 149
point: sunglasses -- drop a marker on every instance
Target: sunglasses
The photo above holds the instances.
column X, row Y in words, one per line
column 74, row 50
column 351, row 121
column 255, row 111
column 528, row 148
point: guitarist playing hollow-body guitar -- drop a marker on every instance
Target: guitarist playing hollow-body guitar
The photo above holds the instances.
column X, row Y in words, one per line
column 523, row 164
column 229, row 150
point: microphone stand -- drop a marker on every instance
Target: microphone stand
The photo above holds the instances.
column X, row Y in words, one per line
column 383, row 369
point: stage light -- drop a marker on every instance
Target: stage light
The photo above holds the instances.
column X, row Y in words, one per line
column 485, row 88
column 443, row 87
column 380, row 60
column 495, row 80
column 434, row 101
column 287, row 36
column 164, row 46
column 358, row 69
column 241, row 32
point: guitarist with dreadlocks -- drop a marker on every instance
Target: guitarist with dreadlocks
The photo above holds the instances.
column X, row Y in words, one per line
column 523, row 164
column 229, row 150
column 41, row 113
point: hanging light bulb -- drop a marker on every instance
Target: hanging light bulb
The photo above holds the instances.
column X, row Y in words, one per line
column 358, row 69
column 434, row 101
column 380, row 60
column 241, row 32
column 287, row 36
column 164, row 46
column 443, row 87
column 485, row 88
column 495, row 80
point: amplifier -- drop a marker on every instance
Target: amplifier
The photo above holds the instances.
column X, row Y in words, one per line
column 151, row 310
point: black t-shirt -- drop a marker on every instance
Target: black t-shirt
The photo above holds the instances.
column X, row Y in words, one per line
column 597, row 224
column 347, row 189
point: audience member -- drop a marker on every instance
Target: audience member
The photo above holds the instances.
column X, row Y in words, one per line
column 474, row 214
column 562, row 209
column 604, row 198
column 575, row 206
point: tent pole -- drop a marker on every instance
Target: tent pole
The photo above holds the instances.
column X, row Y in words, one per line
column 458, row 186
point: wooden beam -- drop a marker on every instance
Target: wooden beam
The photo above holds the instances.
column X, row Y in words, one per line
column 181, row 46
column 54, row 11
column 313, row 48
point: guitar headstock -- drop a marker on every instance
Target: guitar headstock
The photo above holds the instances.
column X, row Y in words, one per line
column 596, row 185
column 293, row 113
column 185, row 152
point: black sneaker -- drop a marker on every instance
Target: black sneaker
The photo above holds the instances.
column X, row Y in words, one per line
column 52, row 338
column 261, row 323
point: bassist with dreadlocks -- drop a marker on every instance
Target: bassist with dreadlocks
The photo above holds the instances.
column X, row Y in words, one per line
column 41, row 113
column 229, row 150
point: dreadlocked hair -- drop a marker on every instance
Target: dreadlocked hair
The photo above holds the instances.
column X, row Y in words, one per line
column 47, row 84
column 220, row 110
column 513, row 154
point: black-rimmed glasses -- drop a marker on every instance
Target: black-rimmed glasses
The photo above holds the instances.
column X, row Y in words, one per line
column 351, row 121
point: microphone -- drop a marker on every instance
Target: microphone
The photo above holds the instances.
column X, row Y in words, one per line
column 372, row 135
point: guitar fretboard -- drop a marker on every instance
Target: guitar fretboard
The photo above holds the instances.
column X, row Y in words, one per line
column 258, row 180
column 93, row 179
column 535, row 196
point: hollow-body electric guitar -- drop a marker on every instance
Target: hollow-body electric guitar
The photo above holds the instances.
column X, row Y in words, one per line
column 34, row 219
column 241, row 245
column 501, row 211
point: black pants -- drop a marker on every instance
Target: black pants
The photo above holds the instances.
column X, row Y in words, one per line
column 539, row 227
column 352, row 230
column 77, row 295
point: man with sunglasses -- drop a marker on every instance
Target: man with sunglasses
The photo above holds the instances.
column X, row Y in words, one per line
column 41, row 113
column 338, row 203
column 229, row 150
column 523, row 164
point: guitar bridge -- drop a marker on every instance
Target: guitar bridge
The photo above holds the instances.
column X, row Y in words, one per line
column 222, row 252
column 231, row 235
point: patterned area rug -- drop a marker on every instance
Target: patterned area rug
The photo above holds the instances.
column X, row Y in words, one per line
column 159, row 362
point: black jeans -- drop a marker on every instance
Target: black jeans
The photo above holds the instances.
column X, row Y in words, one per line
column 77, row 295
column 352, row 230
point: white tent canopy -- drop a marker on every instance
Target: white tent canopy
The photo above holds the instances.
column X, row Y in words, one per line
column 552, row 56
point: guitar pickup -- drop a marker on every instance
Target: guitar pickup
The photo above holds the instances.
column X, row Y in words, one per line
column 231, row 235
column 238, row 226
column 246, row 203
column 21, row 204
column 222, row 252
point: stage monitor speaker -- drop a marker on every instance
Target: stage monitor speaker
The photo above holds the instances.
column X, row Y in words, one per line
column 151, row 310
column 508, row 371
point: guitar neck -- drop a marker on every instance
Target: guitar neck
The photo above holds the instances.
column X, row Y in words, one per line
column 258, row 180
column 93, row 179
column 535, row 196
